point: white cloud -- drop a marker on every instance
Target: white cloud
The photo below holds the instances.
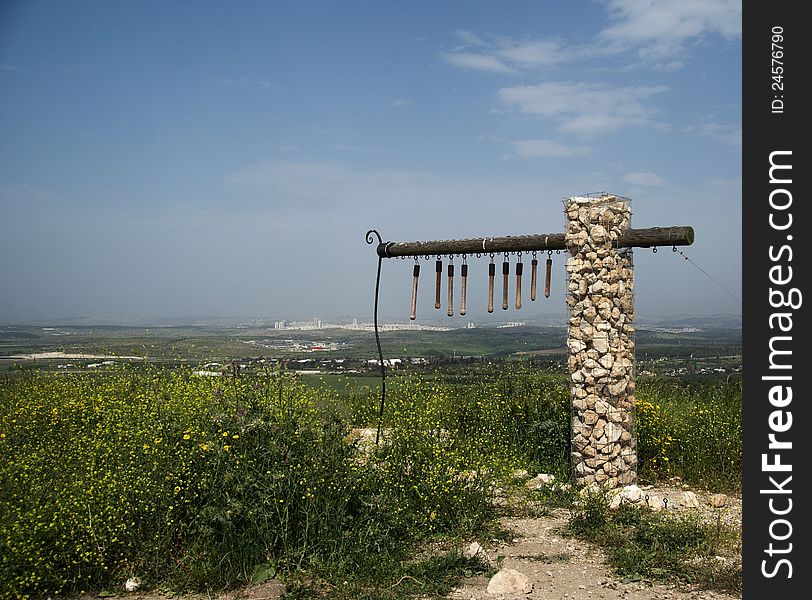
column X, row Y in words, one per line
column 400, row 102
column 583, row 108
column 721, row 132
column 543, row 148
column 505, row 55
column 536, row 53
column 4, row 67
column 644, row 179
column 470, row 38
column 657, row 33
column 662, row 29
column 477, row 62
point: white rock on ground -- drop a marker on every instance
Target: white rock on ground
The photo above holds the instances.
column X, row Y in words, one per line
column 630, row 494
column 132, row 584
column 718, row 500
column 510, row 581
column 655, row 503
column 540, row 481
column 475, row 549
column 689, row 500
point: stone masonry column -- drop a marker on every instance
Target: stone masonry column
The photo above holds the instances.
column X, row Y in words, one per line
column 600, row 337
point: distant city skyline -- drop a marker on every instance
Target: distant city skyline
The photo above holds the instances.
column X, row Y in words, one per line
column 167, row 160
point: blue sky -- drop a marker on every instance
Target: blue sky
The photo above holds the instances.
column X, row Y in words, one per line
column 225, row 159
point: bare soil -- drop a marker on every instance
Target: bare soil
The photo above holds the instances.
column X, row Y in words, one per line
column 561, row 568
column 565, row 568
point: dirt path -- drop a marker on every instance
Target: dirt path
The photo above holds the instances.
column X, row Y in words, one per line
column 565, row 568
column 560, row 568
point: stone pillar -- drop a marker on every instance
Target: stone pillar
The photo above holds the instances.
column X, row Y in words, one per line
column 600, row 337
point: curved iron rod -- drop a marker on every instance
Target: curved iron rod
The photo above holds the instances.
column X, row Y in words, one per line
column 371, row 240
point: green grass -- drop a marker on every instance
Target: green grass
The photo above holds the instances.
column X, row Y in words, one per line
column 641, row 544
column 431, row 577
column 204, row 483
column 197, row 482
column 692, row 430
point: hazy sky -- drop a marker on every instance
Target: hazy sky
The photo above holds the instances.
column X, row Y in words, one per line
column 163, row 159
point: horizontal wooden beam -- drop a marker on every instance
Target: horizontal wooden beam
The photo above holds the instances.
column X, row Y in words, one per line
column 632, row 238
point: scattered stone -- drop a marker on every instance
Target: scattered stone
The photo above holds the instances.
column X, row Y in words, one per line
column 689, row 500
column 132, row 584
column 510, row 581
column 475, row 549
column 540, row 481
column 718, row 500
column 655, row 503
column 630, row 494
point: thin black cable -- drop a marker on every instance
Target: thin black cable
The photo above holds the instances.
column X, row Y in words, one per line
column 708, row 275
column 371, row 240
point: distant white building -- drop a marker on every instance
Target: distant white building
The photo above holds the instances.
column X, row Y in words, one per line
column 387, row 362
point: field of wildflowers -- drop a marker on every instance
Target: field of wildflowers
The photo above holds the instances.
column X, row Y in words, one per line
column 692, row 430
column 206, row 483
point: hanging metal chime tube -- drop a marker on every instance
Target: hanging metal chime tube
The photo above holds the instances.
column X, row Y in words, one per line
column 415, row 277
column 438, row 268
column 519, row 268
column 450, row 312
column 491, row 275
column 464, row 285
column 547, row 277
column 505, row 275
column 534, row 267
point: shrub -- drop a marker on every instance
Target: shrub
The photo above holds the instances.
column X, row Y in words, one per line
column 206, row 481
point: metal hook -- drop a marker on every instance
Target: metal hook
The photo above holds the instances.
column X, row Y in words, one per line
column 654, row 249
column 370, row 239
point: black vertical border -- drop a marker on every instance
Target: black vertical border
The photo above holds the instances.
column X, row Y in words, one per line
column 765, row 132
